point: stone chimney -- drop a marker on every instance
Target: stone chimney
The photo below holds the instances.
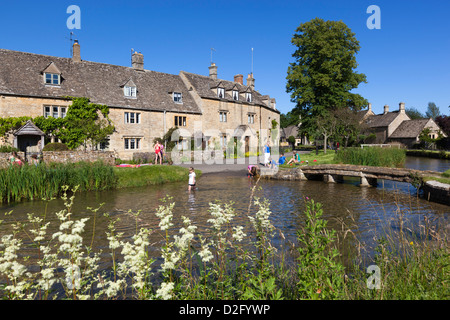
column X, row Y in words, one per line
column 401, row 107
column 137, row 61
column 76, row 55
column 239, row 78
column 213, row 71
column 369, row 108
column 251, row 81
column 386, row 109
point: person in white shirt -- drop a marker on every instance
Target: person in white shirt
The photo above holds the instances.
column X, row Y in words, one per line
column 191, row 179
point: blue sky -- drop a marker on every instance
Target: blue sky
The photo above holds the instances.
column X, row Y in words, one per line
column 407, row 60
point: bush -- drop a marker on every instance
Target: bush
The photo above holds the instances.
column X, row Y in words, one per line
column 377, row 157
column 7, row 149
column 55, row 146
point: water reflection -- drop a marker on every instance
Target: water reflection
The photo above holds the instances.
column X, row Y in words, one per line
column 366, row 211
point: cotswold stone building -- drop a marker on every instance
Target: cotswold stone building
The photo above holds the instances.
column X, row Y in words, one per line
column 397, row 126
column 143, row 104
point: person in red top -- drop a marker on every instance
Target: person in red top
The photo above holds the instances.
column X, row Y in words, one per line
column 157, row 148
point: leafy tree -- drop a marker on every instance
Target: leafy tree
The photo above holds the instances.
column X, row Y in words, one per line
column 413, row 113
column 289, row 119
column 326, row 127
column 348, row 125
column 323, row 74
column 85, row 124
column 425, row 137
column 432, row 111
column 443, row 122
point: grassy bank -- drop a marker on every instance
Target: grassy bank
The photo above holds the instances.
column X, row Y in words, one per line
column 150, row 175
column 377, row 157
column 218, row 264
column 29, row 182
column 437, row 154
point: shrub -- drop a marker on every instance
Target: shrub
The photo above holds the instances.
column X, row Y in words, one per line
column 56, row 146
column 377, row 157
column 7, row 149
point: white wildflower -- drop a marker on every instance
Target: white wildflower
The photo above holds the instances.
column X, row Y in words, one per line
column 165, row 292
column 238, row 233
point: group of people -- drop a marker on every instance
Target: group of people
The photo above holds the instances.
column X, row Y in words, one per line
column 253, row 170
column 15, row 159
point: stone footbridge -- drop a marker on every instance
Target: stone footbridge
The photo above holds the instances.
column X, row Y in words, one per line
column 369, row 176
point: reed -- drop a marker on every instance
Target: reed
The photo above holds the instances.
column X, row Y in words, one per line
column 29, row 182
column 377, row 157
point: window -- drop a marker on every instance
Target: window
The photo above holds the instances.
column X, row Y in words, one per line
column 55, row 111
column 235, row 95
column 177, row 97
column 52, row 78
column 248, row 97
column 223, row 140
column 251, row 118
column 132, row 117
column 132, row 143
column 129, row 91
column 221, row 92
column 223, row 116
column 180, row 121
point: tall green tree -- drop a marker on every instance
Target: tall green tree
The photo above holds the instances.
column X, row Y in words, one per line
column 413, row 113
column 433, row 111
column 323, row 74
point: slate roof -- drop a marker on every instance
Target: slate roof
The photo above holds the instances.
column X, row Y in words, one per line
column 381, row 120
column 21, row 73
column 206, row 88
column 29, row 128
column 410, row 128
column 291, row 130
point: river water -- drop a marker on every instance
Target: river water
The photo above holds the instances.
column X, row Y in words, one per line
column 368, row 212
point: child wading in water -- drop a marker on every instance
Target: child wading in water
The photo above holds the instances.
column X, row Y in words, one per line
column 191, row 179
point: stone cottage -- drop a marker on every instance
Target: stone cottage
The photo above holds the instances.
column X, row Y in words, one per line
column 143, row 104
column 396, row 126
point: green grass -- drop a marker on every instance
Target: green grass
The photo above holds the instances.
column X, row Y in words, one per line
column 151, row 175
column 29, row 182
column 377, row 157
column 313, row 159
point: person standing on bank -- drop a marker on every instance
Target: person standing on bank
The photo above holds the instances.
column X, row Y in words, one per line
column 157, row 153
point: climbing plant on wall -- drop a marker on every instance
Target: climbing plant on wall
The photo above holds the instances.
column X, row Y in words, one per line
column 86, row 124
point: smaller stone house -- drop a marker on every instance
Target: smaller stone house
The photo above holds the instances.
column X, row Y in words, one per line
column 396, row 126
column 408, row 132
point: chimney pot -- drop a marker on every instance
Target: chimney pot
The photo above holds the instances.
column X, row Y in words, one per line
column 386, row 109
column 251, row 81
column 401, row 107
column 370, row 107
column 213, row 71
column 137, row 61
column 76, row 55
column 239, row 78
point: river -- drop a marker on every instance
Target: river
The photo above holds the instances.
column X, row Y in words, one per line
column 369, row 213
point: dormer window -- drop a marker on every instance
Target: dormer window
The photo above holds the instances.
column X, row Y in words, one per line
column 235, row 95
column 248, row 96
column 52, row 78
column 129, row 91
column 221, row 93
column 177, row 97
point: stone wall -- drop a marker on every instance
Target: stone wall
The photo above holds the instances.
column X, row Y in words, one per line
column 108, row 157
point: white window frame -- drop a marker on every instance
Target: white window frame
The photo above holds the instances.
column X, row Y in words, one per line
column 251, row 118
column 55, row 111
column 235, row 95
column 223, row 115
column 129, row 91
column 132, row 117
column 131, row 143
column 177, row 97
column 54, row 79
column 221, row 91
column 248, row 96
